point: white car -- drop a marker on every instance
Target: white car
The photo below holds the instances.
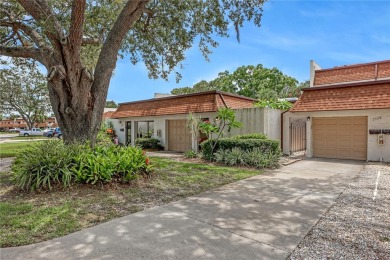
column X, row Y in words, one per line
column 14, row 130
column 33, row 131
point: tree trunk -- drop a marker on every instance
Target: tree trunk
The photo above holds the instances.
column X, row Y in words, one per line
column 77, row 110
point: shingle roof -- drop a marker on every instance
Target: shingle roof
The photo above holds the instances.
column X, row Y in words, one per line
column 202, row 102
column 374, row 95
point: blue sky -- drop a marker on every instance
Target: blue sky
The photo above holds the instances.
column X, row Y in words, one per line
column 333, row 33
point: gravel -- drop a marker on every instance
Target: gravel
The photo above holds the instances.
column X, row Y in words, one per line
column 357, row 226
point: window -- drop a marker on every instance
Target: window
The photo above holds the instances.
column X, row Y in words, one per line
column 145, row 129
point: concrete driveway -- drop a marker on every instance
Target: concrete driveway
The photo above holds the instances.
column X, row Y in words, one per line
column 263, row 217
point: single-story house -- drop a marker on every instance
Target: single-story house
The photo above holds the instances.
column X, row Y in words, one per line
column 165, row 117
column 347, row 113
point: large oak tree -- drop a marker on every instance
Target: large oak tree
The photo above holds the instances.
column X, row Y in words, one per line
column 80, row 41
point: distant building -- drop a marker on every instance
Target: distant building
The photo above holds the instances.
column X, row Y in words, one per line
column 20, row 123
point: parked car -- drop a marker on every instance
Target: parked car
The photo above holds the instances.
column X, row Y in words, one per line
column 52, row 133
column 49, row 133
column 14, row 130
column 33, row 131
column 48, row 129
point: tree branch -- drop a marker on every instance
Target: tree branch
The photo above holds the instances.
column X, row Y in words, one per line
column 76, row 25
column 131, row 12
column 34, row 35
column 21, row 52
column 91, row 41
column 41, row 12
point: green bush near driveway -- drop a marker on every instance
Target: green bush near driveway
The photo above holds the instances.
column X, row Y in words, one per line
column 265, row 146
column 252, row 158
column 251, row 136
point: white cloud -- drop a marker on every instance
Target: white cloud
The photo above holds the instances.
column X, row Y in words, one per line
column 286, row 41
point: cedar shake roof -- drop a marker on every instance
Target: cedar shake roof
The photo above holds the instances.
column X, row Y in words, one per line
column 353, row 73
column 373, row 95
column 201, row 102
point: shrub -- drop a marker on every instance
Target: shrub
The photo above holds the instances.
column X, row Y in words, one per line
column 255, row 158
column 52, row 162
column 264, row 145
column 190, row 154
column 102, row 163
column 149, row 143
column 43, row 164
column 251, row 136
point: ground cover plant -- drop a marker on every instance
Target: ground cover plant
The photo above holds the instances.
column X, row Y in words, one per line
column 30, row 217
column 44, row 164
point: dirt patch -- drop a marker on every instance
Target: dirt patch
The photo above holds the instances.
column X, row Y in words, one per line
column 5, row 164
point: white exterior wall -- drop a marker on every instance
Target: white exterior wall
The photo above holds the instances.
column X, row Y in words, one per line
column 160, row 123
column 377, row 119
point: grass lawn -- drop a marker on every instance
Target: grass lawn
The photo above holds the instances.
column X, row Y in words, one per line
column 20, row 137
column 11, row 149
column 28, row 218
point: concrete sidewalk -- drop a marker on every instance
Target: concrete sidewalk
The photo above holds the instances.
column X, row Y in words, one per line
column 263, row 217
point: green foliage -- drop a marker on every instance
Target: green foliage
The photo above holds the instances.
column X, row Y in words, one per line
column 23, row 90
column 226, row 118
column 52, row 162
column 251, row 81
column 190, row 154
column 276, row 104
column 159, row 37
column 149, row 143
column 102, row 163
column 264, row 145
column 111, row 104
column 254, row 157
column 251, row 136
column 44, row 164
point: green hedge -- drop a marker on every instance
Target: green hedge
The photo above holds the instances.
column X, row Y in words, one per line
column 149, row 143
column 251, row 136
column 264, row 145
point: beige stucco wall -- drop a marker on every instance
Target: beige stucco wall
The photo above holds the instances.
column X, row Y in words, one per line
column 259, row 120
column 377, row 119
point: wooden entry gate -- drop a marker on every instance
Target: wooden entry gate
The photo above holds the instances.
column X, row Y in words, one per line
column 298, row 135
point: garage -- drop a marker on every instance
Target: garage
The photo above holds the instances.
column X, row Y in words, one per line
column 179, row 136
column 340, row 137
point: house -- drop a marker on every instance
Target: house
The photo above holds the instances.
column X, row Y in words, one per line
column 20, row 123
column 346, row 111
column 165, row 117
